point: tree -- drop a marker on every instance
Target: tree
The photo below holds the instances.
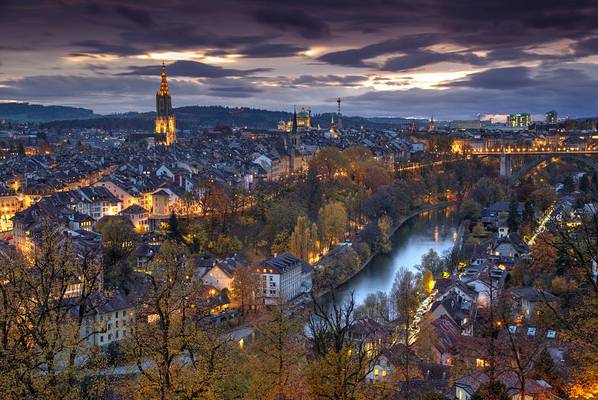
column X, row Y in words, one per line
column 304, row 241
column 173, row 227
column 428, row 281
column 384, row 229
column 585, row 183
column 119, row 240
column 513, row 218
column 333, row 220
column 432, row 262
column 339, row 365
column 406, row 299
column 43, row 349
column 375, row 306
column 175, row 359
column 543, row 198
column 569, row 184
column 278, row 356
column 329, row 163
column 491, row 391
column 470, row 209
column 245, row 287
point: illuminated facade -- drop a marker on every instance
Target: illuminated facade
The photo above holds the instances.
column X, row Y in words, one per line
column 521, row 120
column 165, row 121
column 303, row 121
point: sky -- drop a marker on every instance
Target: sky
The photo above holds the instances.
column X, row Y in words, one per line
column 453, row 59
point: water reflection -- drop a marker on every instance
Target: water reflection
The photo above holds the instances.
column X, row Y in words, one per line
column 435, row 229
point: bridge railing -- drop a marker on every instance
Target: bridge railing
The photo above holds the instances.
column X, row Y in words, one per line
column 535, row 150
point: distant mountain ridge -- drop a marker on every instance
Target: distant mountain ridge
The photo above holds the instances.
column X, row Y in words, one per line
column 188, row 117
column 25, row 112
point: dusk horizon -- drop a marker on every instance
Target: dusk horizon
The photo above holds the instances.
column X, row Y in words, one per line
column 453, row 61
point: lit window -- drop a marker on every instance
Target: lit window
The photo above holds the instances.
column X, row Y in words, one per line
column 480, row 362
column 376, row 372
column 383, row 372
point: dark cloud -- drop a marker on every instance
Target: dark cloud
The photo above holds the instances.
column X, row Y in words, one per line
column 270, row 50
column 294, row 20
column 91, row 47
column 357, row 57
column 138, row 16
column 422, row 58
column 328, row 80
column 497, row 78
column 191, row 69
column 232, row 88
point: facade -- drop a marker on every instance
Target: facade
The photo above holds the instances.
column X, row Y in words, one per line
column 107, row 320
column 519, row 120
column 303, row 121
column 165, row 122
column 551, row 118
column 281, row 278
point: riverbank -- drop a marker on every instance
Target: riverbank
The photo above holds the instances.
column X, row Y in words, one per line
column 395, row 228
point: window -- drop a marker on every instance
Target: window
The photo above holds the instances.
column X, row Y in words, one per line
column 383, row 372
column 116, row 315
column 531, row 331
column 109, row 336
column 376, row 371
column 480, row 362
column 116, row 335
column 102, row 338
column 109, row 326
column 116, row 324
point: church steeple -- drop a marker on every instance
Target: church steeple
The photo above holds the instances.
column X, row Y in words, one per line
column 165, row 121
column 164, row 85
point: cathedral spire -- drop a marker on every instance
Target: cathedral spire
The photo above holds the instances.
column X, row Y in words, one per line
column 164, row 85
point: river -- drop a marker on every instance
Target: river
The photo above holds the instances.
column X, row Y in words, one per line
column 431, row 230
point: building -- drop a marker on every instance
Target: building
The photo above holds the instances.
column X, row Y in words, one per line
column 303, row 121
column 281, row 278
column 165, row 122
column 107, row 320
column 519, row 120
column 551, row 118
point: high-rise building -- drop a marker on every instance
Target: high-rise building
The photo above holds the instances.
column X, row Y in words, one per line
column 551, row 117
column 165, row 122
column 519, row 120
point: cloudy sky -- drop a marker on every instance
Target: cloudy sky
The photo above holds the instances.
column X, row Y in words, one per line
column 454, row 59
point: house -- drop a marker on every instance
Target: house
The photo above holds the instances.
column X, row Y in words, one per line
column 281, row 278
column 107, row 319
column 220, row 274
column 526, row 299
column 138, row 216
column 534, row 389
column 510, row 245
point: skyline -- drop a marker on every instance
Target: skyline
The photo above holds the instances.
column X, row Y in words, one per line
column 453, row 61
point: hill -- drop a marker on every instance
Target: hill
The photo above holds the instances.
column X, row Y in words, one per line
column 25, row 112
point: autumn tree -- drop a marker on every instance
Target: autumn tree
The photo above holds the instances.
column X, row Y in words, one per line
column 245, row 288
column 406, row 300
column 339, row 364
column 304, row 241
column 384, row 232
column 279, row 356
column 119, row 240
column 333, row 221
column 175, row 358
column 43, row 347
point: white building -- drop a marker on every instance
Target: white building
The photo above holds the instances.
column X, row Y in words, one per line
column 281, row 278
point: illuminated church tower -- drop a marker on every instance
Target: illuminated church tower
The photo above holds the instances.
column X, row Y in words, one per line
column 165, row 122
